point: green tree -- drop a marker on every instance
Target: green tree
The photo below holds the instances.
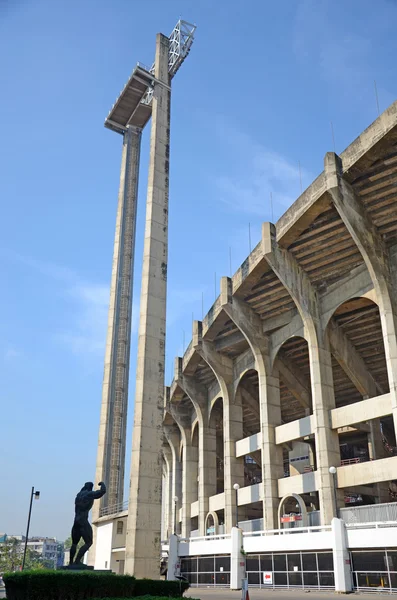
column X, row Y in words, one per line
column 10, row 555
column 68, row 543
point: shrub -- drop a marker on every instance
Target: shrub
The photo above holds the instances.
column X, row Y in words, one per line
column 67, row 585
column 160, row 588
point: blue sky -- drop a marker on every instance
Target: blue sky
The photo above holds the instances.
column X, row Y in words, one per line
column 253, row 101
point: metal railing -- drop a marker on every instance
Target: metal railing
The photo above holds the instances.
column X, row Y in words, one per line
column 113, row 509
column 369, row 514
column 354, row 461
column 375, row 525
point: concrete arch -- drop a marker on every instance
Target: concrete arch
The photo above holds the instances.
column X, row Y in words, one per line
column 371, row 298
column 195, row 427
column 242, row 365
column 302, row 506
column 294, row 374
column 212, row 404
column 243, row 374
column 247, row 396
column 348, row 340
column 215, row 519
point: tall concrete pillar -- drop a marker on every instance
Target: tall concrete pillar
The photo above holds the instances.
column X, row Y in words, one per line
column 326, row 439
column 233, row 466
column 207, row 470
column 189, row 482
column 272, row 455
column 112, row 430
column 167, row 493
column 144, row 517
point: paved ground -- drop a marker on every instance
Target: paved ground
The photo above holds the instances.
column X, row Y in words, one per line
column 256, row 594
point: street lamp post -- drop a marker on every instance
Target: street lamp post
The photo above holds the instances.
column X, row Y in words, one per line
column 175, row 502
column 236, row 487
column 332, row 470
column 36, row 495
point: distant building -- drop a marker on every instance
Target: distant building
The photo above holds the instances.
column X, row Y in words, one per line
column 46, row 547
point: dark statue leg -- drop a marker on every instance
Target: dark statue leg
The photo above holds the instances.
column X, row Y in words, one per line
column 86, row 534
column 76, row 535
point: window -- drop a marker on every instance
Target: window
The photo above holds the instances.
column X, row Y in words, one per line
column 120, row 527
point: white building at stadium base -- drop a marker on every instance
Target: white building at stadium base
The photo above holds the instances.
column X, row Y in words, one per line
column 288, row 392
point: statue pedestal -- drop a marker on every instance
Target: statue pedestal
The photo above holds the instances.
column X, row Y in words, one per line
column 82, row 568
column 77, row 567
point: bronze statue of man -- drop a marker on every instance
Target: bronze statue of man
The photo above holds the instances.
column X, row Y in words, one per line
column 81, row 527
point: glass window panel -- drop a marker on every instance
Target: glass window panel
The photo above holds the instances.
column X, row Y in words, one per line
column 253, row 578
column 205, row 564
column 222, row 578
column 294, row 560
column 252, row 563
column 327, row 580
column 280, row 578
column 295, row 578
column 191, row 577
column 280, row 562
column 309, row 562
column 207, row 578
column 186, row 565
column 369, row 561
column 266, row 562
column 222, row 561
column 325, row 561
column 392, row 560
column 310, row 579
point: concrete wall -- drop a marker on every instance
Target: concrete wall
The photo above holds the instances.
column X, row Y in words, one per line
column 103, row 553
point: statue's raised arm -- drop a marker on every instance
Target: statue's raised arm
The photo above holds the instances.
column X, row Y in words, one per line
column 98, row 493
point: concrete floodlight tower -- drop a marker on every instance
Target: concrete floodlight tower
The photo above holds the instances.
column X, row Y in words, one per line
column 146, row 94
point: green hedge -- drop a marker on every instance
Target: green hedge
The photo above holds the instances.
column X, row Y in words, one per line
column 82, row 585
column 67, row 585
column 159, row 588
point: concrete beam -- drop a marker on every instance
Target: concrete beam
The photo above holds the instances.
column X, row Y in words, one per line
column 295, row 430
column 296, row 382
column 351, row 362
column 375, row 471
column 365, row 410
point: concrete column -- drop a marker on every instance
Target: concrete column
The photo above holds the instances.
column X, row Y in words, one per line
column 207, row 471
column 206, row 441
column 144, row 513
column 377, row 259
column 222, row 367
column 173, row 439
column 376, row 450
column 173, row 558
column 112, row 430
column 327, row 441
column 237, row 559
column 167, row 497
column 342, row 569
column 299, row 286
column 250, row 325
column 272, row 455
column 233, row 467
column 189, row 482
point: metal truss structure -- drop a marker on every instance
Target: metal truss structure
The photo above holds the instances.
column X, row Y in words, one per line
column 181, row 40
